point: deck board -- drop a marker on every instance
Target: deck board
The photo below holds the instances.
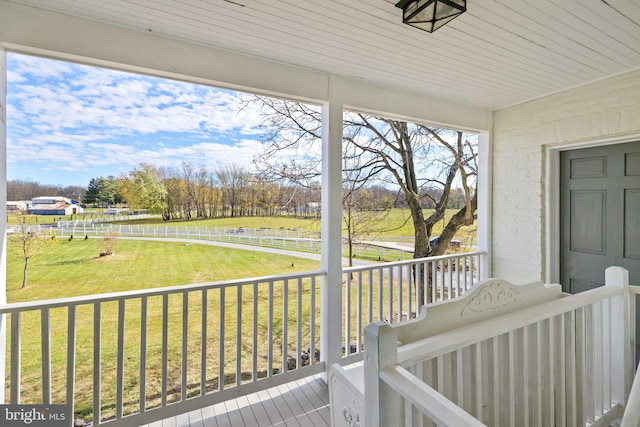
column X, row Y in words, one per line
column 302, row 403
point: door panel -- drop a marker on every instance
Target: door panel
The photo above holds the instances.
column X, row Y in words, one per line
column 632, row 164
column 632, row 224
column 588, row 221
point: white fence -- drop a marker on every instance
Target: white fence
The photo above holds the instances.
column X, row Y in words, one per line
column 286, row 239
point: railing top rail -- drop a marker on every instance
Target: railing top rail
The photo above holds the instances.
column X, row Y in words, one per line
column 426, row 399
column 412, row 261
column 429, row 348
column 115, row 296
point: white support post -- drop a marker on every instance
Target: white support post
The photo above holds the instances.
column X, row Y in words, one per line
column 331, row 239
column 382, row 405
column 3, row 215
column 622, row 341
column 484, row 202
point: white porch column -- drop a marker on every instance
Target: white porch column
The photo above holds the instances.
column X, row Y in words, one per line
column 484, row 201
column 3, row 214
column 331, row 258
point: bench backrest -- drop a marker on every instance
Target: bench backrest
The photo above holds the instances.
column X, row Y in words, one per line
column 488, row 299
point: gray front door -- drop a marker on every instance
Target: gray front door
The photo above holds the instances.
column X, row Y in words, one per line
column 600, row 214
column 600, row 217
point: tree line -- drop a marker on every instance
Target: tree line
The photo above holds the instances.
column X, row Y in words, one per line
column 230, row 190
column 24, row 189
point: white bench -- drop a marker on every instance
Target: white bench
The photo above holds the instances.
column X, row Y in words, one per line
column 501, row 355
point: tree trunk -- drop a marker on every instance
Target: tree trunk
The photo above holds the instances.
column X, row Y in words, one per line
column 458, row 220
column 24, row 273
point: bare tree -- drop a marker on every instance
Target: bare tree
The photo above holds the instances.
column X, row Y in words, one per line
column 28, row 242
column 410, row 156
column 361, row 216
column 109, row 242
column 233, row 182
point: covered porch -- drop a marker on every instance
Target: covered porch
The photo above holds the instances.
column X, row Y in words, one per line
column 533, row 80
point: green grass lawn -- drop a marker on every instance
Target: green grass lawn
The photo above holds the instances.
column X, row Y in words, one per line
column 75, row 268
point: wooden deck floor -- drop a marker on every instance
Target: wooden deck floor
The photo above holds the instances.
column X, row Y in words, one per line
column 303, row 403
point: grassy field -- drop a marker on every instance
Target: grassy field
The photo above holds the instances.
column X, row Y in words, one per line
column 75, row 268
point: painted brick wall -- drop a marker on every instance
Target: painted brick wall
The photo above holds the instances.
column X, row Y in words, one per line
column 601, row 110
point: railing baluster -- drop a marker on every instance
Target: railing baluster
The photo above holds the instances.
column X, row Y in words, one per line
column 370, row 296
column 417, row 276
column 312, row 322
column 270, row 332
column 409, row 292
column 15, row 357
column 97, row 362
column 448, row 278
column 120, row 361
column 434, row 281
column 221, row 373
column 390, row 295
column 441, row 279
column 359, row 327
column 203, row 342
column 478, row 390
column 399, row 301
column 238, row 335
column 45, row 330
column 347, row 314
column 71, row 356
column 606, row 349
column 380, row 292
column 254, row 335
column 143, row 354
column 165, row 345
column 425, row 283
column 185, row 346
column 299, row 325
column 494, row 373
column 464, row 261
column 285, row 325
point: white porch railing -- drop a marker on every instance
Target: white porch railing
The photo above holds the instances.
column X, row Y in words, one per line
column 136, row 357
column 131, row 356
column 565, row 362
column 393, row 292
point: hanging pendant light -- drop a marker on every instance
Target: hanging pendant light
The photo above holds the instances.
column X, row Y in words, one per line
column 429, row 15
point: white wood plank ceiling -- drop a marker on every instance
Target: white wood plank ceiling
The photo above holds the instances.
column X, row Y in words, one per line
column 498, row 53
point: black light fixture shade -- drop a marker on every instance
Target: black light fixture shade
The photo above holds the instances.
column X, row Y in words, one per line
column 429, row 15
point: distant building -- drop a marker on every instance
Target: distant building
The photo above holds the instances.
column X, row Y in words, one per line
column 54, row 206
column 16, row 206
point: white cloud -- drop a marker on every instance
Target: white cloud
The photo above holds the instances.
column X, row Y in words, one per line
column 71, row 116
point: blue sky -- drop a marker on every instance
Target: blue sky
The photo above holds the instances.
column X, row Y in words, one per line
column 68, row 123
